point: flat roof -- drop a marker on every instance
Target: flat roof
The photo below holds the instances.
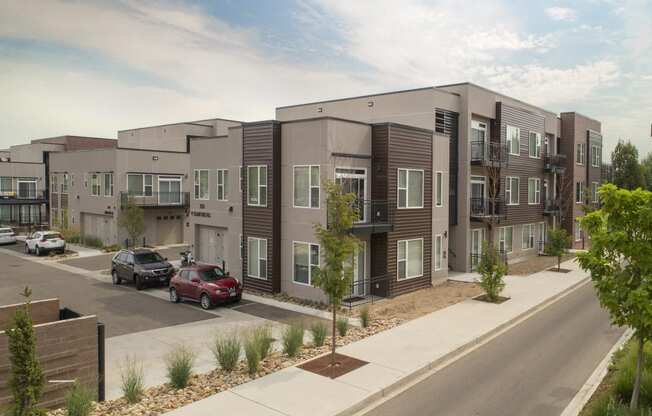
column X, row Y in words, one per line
column 192, row 123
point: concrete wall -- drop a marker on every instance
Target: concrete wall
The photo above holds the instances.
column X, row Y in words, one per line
column 33, row 152
column 41, row 311
column 17, row 170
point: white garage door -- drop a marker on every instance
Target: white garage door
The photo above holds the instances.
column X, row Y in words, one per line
column 98, row 226
column 169, row 229
column 209, row 244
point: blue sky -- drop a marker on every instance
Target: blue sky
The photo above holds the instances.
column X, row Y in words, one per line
column 94, row 67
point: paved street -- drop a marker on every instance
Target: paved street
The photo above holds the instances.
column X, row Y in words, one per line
column 534, row 369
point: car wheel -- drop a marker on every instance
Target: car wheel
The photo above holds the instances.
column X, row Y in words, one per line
column 174, row 297
column 139, row 282
column 205, row 301
column 114, row 278
column 37, row 250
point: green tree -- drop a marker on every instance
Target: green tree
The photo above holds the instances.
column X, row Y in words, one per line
column 132, row 220
column 26, row 380
column 646, row 165
column 338, row 246
column 627, row 172
column 620, row 262
column 557, row 245
column 492, row 270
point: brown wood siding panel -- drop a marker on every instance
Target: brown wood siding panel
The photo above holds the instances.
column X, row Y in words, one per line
column 593, row 174
column 522, row 165
column 410, row 149
column 568, row 144
column 260, row 146
column 379, row 162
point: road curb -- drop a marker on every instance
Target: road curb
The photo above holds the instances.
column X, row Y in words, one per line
column 593, row 382
column 379, row 397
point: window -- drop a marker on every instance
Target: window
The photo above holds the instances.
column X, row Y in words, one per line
column 579, row 192
column 528, row 236
column 505, row 239
column 578, row 230
column 64, row 183
column 257, row 258
column 27, row 188
column 108, row 184
column 169, row 190
column 579, row 154
column 6, row 186
column 222, row 184
column 410, row 258
column 439, row 189
column 513, row 140
column 512, row 184
column 410, row 188
column 54, row 184
column 533, row 191
column 478, row 131
column 306, row 260
column 95, row 184
column 438, row 252
column 595, row 155
column 201, row 184
column 257, row 186
column 139, row 184
column 306, row 186
column 534, row 144
column 594, row 191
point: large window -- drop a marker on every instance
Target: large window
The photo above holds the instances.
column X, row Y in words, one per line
column 595, row 155
column 201, row 184
column 95, row 184
column 578, row 230
column 579, row 153
column 579, row 192
column 139, row 184
column 54, row 183
column 505, row 239
column 306, row 186
column 410, row 258
column 513, row 140
column 478, row 131
column 222, row 184
column 257, row 186
column 169, row 190
column 257, row 257
column 594, row 191
column 27, row 188
column 410, row 188
column 6, row 187
column 533, row 191
column 306, row 261
column 528, row 236
column 512, row 184
column 534, row 144
column 65, row 183
column 108, row 184
column 439, row 252
column 439, row 189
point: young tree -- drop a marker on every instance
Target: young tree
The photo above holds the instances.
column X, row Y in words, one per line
column 646, row 165
column 26, row 380
column 338, row 246
column 492, row 271
column 132, row 219
column 620, row 262
column 627, row 171
column 557, row 245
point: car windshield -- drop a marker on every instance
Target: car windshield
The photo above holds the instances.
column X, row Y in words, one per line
column 52, row 236
column 208, row 275
column 6, row 231
column 144, row 258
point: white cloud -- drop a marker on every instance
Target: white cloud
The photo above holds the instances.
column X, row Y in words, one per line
column 561, row 14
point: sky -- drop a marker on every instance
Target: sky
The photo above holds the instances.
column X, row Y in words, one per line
column 95, row 67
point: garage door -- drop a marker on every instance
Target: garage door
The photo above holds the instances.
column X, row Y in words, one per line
column 169, row 229
column 98, row 226
column 209, row 244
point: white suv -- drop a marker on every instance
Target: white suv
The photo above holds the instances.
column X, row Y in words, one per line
column 7, row 236
column 42, row 242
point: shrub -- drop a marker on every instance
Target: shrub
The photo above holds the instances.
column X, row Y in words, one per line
column 226, row 350
column 92, row 241
column 262, row 337
column 71, row 235
column 318, row 331
column 557, row 245
column 607, row 406
column 111, row 248
column 252, row 353
column 293, row 339
column 492, row 270
column 625, row 373
column 342, row 325
column 179, row 363
column 132, row 380
column 364, row 316
column 79, row 400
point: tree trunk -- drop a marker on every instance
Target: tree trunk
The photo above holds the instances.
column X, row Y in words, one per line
column 633, row 405
column 558, row 263
column 334, row 334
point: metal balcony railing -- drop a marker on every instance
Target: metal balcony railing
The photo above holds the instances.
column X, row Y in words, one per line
column 366, row 290
column 554, row 163
column 488, row 153
column 550, row 207
column 375, row 217
column 485, row 207
column 475, row 259
column 23, row 195
column 157, row 199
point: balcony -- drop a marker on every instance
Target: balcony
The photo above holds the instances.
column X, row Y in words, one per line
column 486, row 208
column 376, row 217
column 486, row 153
column 157, row 200
column 23, row 197
column 554, row 163
column 550, row 207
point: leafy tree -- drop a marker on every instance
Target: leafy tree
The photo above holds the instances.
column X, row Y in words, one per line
column 620, row 262
column 492, row 270
column 646, row 165
column 338, row 246
column 26, row 380
column 627, row 172
column 132, row 219
column 557, row 245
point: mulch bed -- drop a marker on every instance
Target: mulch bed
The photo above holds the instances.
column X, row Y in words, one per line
column 485, row 298
column 343, row 364
column 554, row 269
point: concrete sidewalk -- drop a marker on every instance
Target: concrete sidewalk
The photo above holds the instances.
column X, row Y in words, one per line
column 396, row 356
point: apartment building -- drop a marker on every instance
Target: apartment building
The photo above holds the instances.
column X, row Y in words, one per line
column 24, row 178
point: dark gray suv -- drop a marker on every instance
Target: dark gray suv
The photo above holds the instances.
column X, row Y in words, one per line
column 142, row 266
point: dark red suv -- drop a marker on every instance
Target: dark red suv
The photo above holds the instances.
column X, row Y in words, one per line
column 206, row 284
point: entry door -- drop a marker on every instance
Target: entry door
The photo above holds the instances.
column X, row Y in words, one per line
column 354, row 181
column 477, row 236
column 477, row 194
column 169, row 190
column 542, row 232
column 359, row 263
column 545, row 190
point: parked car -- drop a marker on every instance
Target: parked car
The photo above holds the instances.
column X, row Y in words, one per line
column 7, row 236
column 142, row 266
column 206, row 284
column 42, row 242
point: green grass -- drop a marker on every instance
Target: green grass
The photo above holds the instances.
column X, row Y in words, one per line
column 132, row 380
column 92, row 241
column 252, row 354
column 293, row 339
column 342, row 325
column 226, row 350
column 262, row 338
column 318, row 330
column 79, row 400
column 364, row 316
column 179, row 363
